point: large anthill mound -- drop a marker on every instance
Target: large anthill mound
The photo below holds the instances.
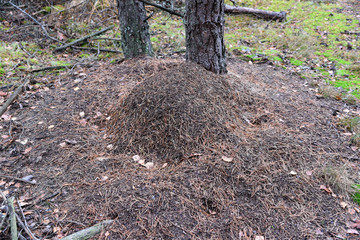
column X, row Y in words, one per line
column 178, row 112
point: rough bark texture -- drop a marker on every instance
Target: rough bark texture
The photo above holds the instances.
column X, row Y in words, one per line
column 204, row 23
column 135, row 37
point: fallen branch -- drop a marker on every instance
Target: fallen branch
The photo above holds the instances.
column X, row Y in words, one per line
column 26, row 229
column 281, row 16
column 36, row 21
column 7, row 210
column 13, row 227
column 231, row 10
column 12, row 98
column 163, row 8
column 89, row 232
column 98, row 49
column 83, row 39
column 102, row 38
column 17, row 179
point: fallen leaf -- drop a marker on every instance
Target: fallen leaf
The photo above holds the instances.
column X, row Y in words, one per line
column 351, row 211
column 354, row 148
column 28, row 177
column 63, row 144
column 356, row 224
column 136, row 158
column 27, row 150
column 292, row 173
column 56, row 229
column 41, row 122
column 110, row 147
column 141, row 162
column 164, row 165
column 309, row 173
column 343, row 204
column 3, row 94
column 328, row 190
column 6, row 117
column 259, row 238
column 83, row 122
column 82, row 114
column 51, row 126
column 318, row 232
column 104, row 178
column 76, row 89
column 149, row 165
column 352, row 231
column 227, row 159
column 5, row 136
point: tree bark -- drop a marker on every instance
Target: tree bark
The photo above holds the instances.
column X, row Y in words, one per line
column 135, row 37
column 204, row 24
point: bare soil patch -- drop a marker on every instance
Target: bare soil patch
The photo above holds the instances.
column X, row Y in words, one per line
column 281, row 138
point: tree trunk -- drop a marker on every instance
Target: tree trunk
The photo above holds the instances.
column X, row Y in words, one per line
column 204, row 23
column 135, row 37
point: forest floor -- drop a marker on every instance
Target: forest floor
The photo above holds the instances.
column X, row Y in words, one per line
column 286, row 173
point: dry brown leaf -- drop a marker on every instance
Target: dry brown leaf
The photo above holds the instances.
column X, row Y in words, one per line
column 352, row 231
column 343, row 204
column 83, row 122
column 356, row 224
column 27, row 150
column 149, row 165
column 227, row 159
column 328, row 190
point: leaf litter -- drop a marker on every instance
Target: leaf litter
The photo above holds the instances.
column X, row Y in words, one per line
column 197, row 195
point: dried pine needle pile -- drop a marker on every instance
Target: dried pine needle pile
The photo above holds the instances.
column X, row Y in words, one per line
column 179, row 112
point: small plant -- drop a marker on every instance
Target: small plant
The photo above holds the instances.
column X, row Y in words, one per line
column 338, row 179
column 356, row 195
column 2, row 72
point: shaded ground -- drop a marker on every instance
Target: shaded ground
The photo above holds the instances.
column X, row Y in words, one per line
column 274, row 183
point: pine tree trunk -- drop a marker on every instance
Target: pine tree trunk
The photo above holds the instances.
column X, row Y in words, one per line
column 204, row 23
column 135, row 37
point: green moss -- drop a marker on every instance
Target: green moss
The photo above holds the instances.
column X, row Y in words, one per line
column 34, row 61
column 84, row 55
column 343, row 72
column 60, row 63
column 356, row 194
column 296, row 62
column 2, row 72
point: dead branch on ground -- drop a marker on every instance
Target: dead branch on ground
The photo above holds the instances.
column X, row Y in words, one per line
column 89, row 232
column 12, row 97
column 269, row 15
column 36, row 21
column 80, row 40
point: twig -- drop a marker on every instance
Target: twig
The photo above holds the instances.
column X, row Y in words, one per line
column 17, row 179
column 162, row 8
column 83, row 38
column 97, row 49
column 89, row 232
column 49, row 68
column 25, row 227
column 36, row 21
column 13, row 227
column 7, row 210
column 12, row 97
column 103, row 38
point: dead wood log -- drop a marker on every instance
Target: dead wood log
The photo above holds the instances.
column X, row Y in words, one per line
column 83, row 39
column 269, row 15
column 12, row 214
column 12, row 97
column 89, row 232
column 231, row 10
